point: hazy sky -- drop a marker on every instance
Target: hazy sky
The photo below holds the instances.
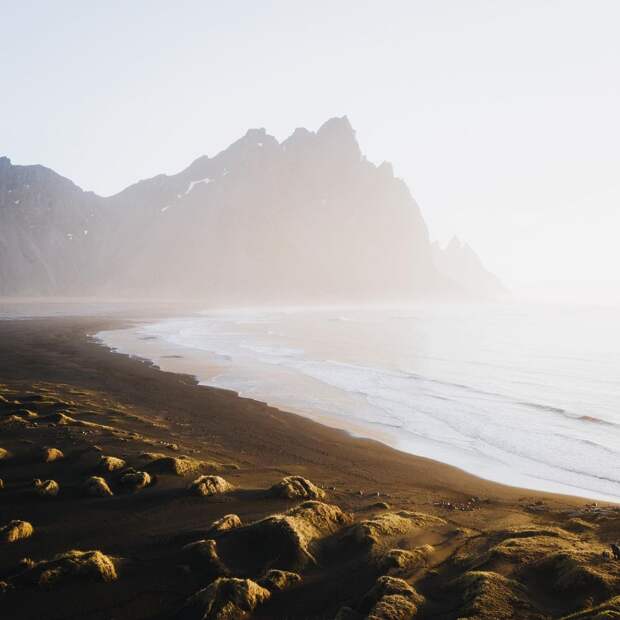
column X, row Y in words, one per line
column 502, row 116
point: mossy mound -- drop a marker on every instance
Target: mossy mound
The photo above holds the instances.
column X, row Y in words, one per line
column 110, row 463
column 403, row 561
column 60, row 419
column 152, row 456
column 567, row 567
column 49, row 455
column 90, row 457
column 490, row 596
column 225, row 599
column 206, row 486
column 569, row 573
column 291, row 538
column 16, row 530
column 46, row 488
column 524, row 546
column 203, row 555
column 176, row 466
column 278, row 580
column 296, row 487
column 227, row 522
column 579, row 526
column 135, row 480
column 609, row 610
column 391, row 599
column 14, row 421
column 96, row 486
column 27, row 414
column 388, row 524
column 75, row 564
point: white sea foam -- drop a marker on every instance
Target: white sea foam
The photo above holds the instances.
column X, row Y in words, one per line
column 521, row 395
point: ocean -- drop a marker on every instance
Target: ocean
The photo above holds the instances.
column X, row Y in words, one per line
column 524, row 395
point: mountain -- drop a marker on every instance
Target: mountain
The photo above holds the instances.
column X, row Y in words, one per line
column 461, row 265
column 44, row 223
column 307, row 220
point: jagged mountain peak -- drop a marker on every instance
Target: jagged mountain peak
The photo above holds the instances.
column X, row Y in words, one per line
column 21, row 178
column 338, row 135
column 386, row 169
column 308, row 220
column 298, row 139
column 337, row 124
column 334, row 139
column 461, row 264
column 334, row 136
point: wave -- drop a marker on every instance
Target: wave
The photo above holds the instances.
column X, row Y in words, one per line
column 483, row 411
column 467, row 389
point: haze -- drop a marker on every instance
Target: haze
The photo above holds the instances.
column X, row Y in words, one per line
column 501, row 116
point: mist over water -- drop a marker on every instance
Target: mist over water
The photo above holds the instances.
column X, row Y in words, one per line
column 524, row 395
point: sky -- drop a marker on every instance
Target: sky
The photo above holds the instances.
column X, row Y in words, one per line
column 501, row 115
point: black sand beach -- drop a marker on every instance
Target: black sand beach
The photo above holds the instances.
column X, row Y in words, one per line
column 473, row 548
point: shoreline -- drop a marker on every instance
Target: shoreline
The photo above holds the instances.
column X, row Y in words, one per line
column 169, row 357
column 119, row 406
column 82, row 336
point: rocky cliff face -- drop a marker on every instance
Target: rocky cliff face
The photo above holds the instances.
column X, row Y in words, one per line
column 308, row 220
